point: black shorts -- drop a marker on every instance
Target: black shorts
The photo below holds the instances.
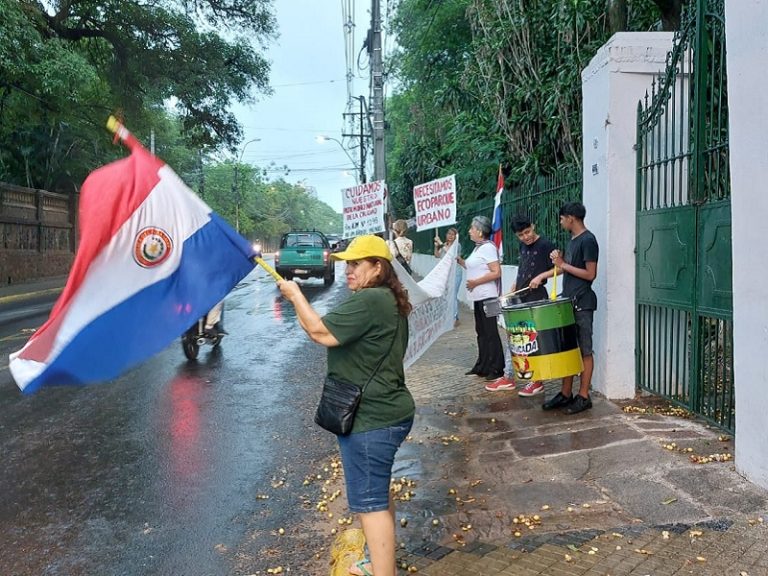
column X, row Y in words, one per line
column 584, row 329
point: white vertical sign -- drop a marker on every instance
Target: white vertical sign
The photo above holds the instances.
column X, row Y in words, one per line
column 363, row 209
column 435, row 203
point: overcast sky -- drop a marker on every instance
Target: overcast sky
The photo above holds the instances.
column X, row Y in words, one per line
column 310, row 95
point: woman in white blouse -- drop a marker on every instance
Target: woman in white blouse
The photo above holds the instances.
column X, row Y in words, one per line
column 483, row 280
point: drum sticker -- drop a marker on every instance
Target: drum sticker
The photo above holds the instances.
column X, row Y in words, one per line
column 522, row 368
column 522, row 338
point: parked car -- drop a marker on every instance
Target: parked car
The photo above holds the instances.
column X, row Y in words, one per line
column 305, row 254
column 333, row 240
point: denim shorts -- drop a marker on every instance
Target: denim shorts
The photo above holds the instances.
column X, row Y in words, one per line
column 367, row 458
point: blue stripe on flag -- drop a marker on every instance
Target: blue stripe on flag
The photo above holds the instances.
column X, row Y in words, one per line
column 214, row 260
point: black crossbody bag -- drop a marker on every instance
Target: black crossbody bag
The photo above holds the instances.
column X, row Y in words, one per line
column 400, row 258
column 339, row 400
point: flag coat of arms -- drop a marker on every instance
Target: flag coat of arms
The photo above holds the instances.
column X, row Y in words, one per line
column 152, row 259
column 497, row 226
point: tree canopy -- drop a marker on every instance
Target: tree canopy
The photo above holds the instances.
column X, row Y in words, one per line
column 489, row 82
column 65, row 65
column 260, row 208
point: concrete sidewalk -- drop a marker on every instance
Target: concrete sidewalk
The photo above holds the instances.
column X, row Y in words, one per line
column 502, row 487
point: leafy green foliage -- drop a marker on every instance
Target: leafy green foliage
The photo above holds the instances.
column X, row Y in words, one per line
column 259, row 208
column 489, row 82
column 162, row 65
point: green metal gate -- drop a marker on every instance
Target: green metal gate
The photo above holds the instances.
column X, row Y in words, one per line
column 684, row 343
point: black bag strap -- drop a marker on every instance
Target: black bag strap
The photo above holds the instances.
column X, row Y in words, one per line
column 397, row 247
column 391, row 345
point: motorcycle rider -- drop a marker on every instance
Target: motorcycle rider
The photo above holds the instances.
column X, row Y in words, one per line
column 212, row 319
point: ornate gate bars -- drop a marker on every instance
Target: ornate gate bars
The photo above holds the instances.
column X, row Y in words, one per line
column 684, row 345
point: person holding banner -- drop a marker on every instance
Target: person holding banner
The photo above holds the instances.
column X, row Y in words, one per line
column 401, row 247
column 441, row 248
column 366, row 337
column 483, row 279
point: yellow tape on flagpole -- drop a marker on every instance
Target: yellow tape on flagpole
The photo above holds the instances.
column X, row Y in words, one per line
column 271, row 271
column 113, row 125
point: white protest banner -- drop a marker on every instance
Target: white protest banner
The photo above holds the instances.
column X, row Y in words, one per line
column 435, row 203
column 432, row 301
column 363, row 209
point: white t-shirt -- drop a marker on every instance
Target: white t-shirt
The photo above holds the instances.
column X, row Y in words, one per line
column 477, row 266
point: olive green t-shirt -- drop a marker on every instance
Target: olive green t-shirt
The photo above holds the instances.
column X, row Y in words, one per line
column 365, row 327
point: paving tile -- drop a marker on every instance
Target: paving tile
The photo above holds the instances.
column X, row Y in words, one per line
column 527, row 458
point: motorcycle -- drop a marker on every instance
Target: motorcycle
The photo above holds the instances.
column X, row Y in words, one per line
column 197, row 336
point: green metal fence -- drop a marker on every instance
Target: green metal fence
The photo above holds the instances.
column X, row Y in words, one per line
column 539, row 198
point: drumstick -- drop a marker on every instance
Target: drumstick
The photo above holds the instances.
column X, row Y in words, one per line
column 553, row 293
column 517, row 292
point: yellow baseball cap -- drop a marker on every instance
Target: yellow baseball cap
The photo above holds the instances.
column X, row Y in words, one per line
column 365, row 247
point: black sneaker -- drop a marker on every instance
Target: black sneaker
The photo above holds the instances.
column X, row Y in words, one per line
column 579, row 404
column 558, row 401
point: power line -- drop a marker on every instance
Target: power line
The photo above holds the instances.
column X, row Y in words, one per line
column 309, row 83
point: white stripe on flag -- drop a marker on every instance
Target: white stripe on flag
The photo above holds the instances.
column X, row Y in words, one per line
column 114, row 276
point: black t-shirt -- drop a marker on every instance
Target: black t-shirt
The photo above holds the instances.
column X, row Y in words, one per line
column 534, row 260
column 581, row 249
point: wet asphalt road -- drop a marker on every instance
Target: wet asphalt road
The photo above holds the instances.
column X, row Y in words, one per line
column 177, row 468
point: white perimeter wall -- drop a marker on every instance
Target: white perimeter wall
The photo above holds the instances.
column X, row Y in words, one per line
column 747, row 45
column 615, row 80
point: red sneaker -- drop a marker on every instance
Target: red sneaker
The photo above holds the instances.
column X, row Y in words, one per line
column 532, row 389
column 503, row 383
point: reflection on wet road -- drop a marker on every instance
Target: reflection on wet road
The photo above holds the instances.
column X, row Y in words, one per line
column 158, row 471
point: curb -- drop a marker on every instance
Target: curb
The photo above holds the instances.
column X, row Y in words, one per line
column 41, row 301
column 16, row 298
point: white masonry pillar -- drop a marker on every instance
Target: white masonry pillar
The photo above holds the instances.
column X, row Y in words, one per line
column 747, row 61
column 615, row 80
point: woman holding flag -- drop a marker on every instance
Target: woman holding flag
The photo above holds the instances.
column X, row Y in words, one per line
column 366, row 337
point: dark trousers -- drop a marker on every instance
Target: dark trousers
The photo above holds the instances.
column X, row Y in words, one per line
column 490, row 354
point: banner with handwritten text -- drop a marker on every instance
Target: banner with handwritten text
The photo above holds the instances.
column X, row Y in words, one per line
column 435, row 203
column 363, row 209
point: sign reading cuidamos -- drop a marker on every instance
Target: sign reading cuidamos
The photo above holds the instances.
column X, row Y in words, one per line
column 363, row 207
column 435, row 203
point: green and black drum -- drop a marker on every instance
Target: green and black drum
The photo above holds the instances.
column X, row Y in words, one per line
column 542, row 339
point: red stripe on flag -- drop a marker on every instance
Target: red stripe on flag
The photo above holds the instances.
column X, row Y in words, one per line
column 109, row 196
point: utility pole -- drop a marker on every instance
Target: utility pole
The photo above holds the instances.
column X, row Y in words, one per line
column 377, row 88
column 361, row 135
column 362, row 145
column 236, row 191
column 202, row 173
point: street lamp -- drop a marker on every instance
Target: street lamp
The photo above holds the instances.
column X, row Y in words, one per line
column 323, row 139
column 235, row 184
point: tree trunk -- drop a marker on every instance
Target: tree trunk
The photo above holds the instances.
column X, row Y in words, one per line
column 671, row 11
column 617, row 15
